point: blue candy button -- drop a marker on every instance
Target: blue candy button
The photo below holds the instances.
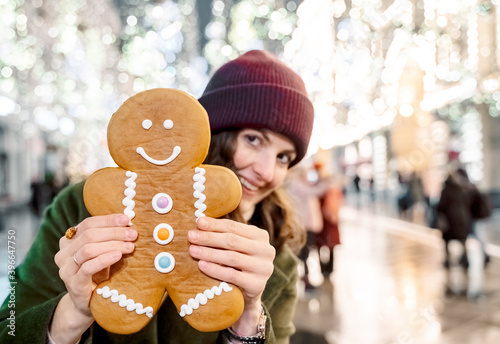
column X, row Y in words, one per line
column 164, row 262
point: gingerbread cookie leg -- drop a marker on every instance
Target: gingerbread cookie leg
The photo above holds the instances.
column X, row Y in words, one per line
column 127, row 301
column 224, row 300
column 118, row 310
column 200, row 297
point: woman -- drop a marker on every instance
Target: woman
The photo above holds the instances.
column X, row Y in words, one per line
column 329, row 236
column 306, row 196
column 261, row 121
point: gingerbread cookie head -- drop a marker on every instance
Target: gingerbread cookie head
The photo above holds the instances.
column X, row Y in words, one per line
column 159, row 139
column 139, row 130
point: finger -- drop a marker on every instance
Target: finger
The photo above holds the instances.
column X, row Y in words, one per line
column 92, row 235
column 96, row 235
column 251, row 284
column 220, row 272
column 224, row 257
column 91, row 251
column 93, row 266
column 227, row 241
column 230, row 226
column 103, row 221
column 263, row 263
column 80, row 284
column 71, row 265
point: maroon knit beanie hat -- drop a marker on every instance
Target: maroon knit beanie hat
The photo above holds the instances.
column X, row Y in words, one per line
column 258, row 91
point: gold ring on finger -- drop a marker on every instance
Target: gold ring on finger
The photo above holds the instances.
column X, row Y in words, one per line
column 71, row 232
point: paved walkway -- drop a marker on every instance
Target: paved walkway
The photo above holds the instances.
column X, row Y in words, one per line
column 389, row 286
column 384, row 204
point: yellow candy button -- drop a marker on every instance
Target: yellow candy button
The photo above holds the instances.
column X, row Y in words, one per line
column 163, row 233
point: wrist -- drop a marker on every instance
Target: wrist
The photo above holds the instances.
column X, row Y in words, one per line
column 68, row 323
column 249, row 320
column 257, row 334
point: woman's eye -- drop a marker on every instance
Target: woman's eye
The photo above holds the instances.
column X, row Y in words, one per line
column 252, row 139
column 284, row 158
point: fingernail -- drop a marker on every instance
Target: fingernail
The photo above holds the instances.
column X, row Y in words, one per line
column 123, row 220
column 195, row 250
column 202, row 222
column 129, row 246
column 131, row 234
column 116, row 254
column 193, row 235
column 203, row 265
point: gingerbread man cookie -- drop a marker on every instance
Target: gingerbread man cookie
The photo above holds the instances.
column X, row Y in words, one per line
column 159, row 139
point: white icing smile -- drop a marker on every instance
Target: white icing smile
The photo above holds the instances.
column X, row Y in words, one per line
column 175, row 153
column 247, row 184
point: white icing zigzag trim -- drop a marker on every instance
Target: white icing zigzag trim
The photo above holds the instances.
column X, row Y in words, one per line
column 129, row 194
column 199, row 187
column 124, row 302
column 142, row 152
column 202, row 299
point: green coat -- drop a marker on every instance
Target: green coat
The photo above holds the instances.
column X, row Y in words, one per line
column 38, row 289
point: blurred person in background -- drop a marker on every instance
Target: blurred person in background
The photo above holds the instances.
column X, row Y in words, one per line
column 476, row 209
column 329, row 237
column 455, row 207
column 418, row 197
column 306, row 189
column 405, row 197
column 356, row 181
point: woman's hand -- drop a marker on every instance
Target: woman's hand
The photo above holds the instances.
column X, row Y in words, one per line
column 99, row 243
column 236, row 253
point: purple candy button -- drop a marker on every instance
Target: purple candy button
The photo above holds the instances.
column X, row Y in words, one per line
column 162, row 203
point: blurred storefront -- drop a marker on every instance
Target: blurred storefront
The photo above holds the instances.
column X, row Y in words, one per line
column 414, row 88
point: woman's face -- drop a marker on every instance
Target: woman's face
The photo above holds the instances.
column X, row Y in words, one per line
column 261, row 160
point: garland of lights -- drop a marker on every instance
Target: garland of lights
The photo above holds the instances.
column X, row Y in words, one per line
column 66, row 66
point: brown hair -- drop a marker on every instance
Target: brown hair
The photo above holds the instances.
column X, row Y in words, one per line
column 274, row 213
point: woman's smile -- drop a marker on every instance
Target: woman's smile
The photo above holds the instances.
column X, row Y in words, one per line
column 248, row 185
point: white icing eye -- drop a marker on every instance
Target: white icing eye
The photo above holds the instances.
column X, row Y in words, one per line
column 146, row 124
column 168, row 124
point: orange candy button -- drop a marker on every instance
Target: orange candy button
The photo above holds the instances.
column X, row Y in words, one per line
column 163, row 234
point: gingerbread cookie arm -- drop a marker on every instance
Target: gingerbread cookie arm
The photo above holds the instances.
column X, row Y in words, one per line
column 110, row 191
column 218, row 180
